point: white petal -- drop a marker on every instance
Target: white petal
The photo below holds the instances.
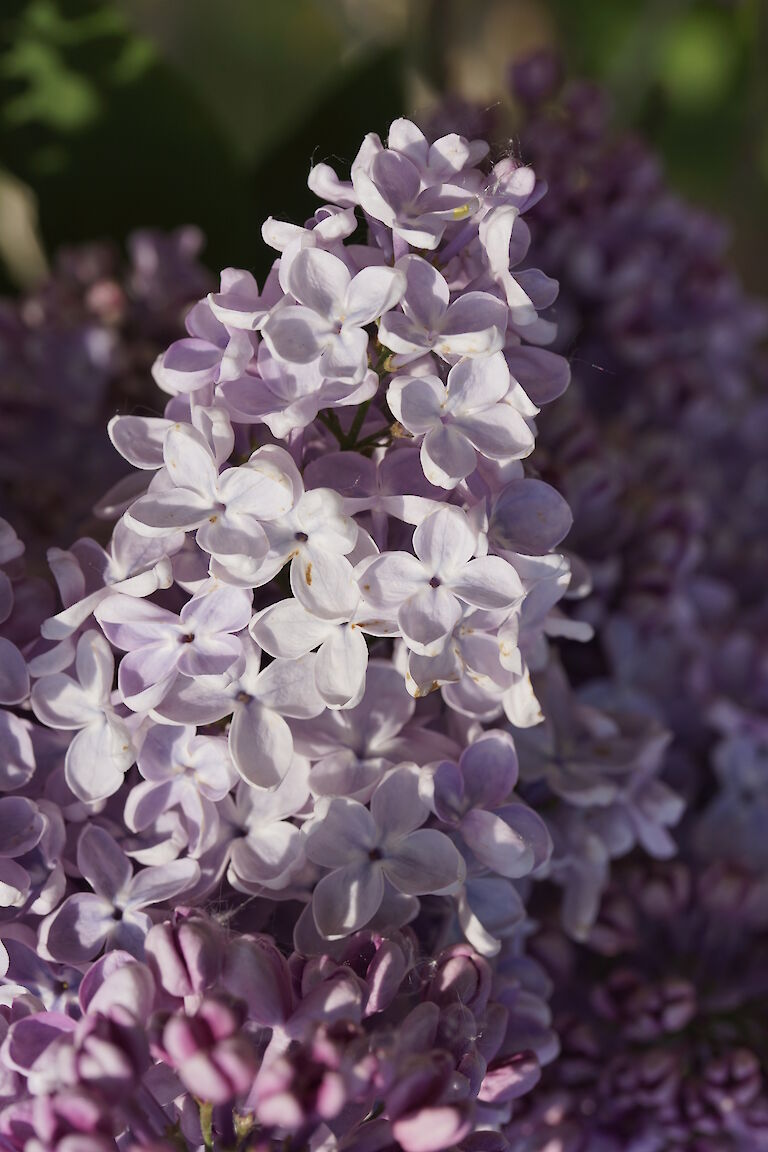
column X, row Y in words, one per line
column 488, row 582
column 325, row 584
column 417, row 402
column 345, row 900
column 139, row 439
column 261, row 745
column 341, row 832
column 97, row 760
column 424, row 862
column 288, row 630
column 447, row 456
column 445, row 542
column 340, row 667
column 162, row 512
column 428, row 619
column 345, row 356
column 372, row 293
column 500, row 433
column 478, row 383
column 288, row 687
column 397, row 806
column 296, row 334
column 390, row 579
column 189, row 460
column 319, row 280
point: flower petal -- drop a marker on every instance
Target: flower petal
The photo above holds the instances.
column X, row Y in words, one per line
column 424, row 862
column 428, row 619
column 345, row 900
column 447, row 456
column 372, row 293
column 488, row 582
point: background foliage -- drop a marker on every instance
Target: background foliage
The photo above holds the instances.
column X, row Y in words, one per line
column 122, row 113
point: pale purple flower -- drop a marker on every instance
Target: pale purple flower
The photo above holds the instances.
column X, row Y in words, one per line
column 283, row 396
column 427, row 592
column 315, row 536
column 328, row 322
column 325, row 229
column 495, row 232
column 238, row 303
column 257, row 699
column 458, row 419
column 288, row 630
column 102, row 751
column 447, row 157
column 390, row 187
column 473, row 325
column 112, row 913
column 161, row 645
column 209, row 354
column 353, row 747
column 132, row 565
column 474, row 796
column 267, row 848
column 228, row 509
column 366, row 848
column 185, row 771
column 394, row 485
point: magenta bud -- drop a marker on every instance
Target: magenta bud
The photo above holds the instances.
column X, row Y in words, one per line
column 257, row 973
column 509, row 1078
column 461, row 975
column 215, row 1061
column 185, row 956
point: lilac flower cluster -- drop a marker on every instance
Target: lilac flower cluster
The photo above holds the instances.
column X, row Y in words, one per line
column 72, row 352
column 285, row 690
column 301, row 810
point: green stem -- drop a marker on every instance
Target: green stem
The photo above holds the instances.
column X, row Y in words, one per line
column 331, row 421
column 206, row 1125
column 375, row 440
column 349, row 441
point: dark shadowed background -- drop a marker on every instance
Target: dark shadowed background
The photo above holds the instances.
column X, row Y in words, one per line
column 123, row 113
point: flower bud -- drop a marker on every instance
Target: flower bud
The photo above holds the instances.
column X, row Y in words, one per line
column 185, row 955
column 213, row 1060
column 462, row 976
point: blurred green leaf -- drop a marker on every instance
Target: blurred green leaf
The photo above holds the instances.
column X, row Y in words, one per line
column 698, row 59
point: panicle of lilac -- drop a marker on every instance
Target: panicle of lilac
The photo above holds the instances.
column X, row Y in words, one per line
column 209, row 670
column 287, row 688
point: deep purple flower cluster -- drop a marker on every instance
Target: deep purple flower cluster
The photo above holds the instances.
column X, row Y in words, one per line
column 661, row 1019
column 72, row 352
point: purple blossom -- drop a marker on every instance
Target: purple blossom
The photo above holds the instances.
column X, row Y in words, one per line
column 112, row 913
column 368, row 849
